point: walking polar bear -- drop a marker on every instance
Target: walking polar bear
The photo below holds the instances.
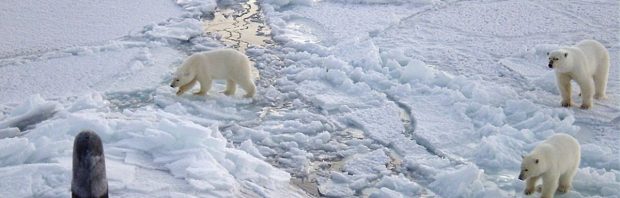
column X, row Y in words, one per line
column 556, row 161
column 204, row 67
column 588, row 64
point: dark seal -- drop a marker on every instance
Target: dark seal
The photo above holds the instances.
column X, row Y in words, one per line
column 89, row 178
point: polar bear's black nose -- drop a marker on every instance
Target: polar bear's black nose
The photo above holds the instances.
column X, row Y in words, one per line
column 550, row 65
column 521, row 176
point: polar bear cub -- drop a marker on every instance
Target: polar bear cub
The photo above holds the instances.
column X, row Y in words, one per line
column 588, row 64
column 221, row 64
column 556, row 161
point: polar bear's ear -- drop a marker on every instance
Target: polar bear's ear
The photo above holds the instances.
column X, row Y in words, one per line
column 537, row 161
column 565, row 55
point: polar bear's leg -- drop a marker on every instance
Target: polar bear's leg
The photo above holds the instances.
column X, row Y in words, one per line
column 587, row 92
column 550, row 185
column 565, row 183
column 205, row 86
column 184, row 88
column 530, row 185
column 566, row 180
column 600, row 84
column 565, row 88
column 248, row 86
column 600, row 80
column 231, row 87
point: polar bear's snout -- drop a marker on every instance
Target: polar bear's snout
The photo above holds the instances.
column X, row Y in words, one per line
column 521, row 177
column 550, row 64
column 174, row 82
column 551, row 61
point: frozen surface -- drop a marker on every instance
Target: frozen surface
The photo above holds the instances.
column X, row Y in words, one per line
column 469, row 78
column 107, row 82
column 38, row 26
column 392, row 99
column 117, row 68
column 137, row 140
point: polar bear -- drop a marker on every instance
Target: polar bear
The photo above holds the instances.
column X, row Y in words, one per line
column 588, row 64
column 204, row 67
column 555, row 161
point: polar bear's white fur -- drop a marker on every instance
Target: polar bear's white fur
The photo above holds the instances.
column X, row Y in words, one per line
column 204, row 67
column 588, row 64
column 556, row 161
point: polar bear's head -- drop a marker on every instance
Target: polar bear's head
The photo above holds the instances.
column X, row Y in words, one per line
column 558, row 60
column 531, row 166
column 181, row 77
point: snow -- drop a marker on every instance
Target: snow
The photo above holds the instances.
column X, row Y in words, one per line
column 96, row 70
column 468, row 184
column 478, row 117
column 393, row 99
column 198, row 7
column 36, row 26
column 145, row 139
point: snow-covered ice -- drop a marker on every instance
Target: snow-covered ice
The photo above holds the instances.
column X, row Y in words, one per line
column 357, row 98
column 30, row 26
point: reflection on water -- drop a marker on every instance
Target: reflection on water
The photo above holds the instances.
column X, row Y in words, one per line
column 239, row 29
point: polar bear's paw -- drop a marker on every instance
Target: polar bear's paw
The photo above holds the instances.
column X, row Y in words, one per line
column 566, row 104
column 200, row 93
column 528, row 191
column 600, row 96
column 539, row 188
column 228, row 92
column 585, row 106
column 563, row 188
